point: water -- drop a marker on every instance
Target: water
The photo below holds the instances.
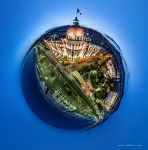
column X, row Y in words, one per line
column 22, row 22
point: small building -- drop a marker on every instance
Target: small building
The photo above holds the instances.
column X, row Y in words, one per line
column 111, row 69
column 111, row 100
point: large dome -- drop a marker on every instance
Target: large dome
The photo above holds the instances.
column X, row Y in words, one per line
column 75, row 31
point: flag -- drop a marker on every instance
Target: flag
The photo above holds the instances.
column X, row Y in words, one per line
column 79, row 12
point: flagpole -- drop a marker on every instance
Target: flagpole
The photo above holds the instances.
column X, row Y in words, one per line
column 76, row 13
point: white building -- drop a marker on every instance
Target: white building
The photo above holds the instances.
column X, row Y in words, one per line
column 111, row 69
column 75, row 45
column 111, row 100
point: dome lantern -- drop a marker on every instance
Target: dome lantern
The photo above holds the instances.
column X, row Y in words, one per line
column 76, row 21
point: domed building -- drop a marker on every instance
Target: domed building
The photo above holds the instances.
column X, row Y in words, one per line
column 76, row 44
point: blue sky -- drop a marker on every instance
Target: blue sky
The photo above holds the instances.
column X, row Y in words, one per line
column 22, row 22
